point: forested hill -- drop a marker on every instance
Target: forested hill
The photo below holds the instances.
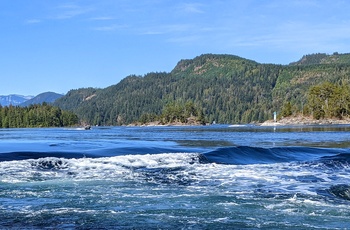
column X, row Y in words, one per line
column 47, row 97
column 322, row 58
column 225, row 88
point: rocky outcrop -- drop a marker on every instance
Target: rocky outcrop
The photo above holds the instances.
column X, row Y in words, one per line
column 305, row 120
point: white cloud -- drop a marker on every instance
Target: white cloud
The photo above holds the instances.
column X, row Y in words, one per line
column 68, row 11
column 32, row 21
column 192, row 8
column 113, row 27
column 292, row 37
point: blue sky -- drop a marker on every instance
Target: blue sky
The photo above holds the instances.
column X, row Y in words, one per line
column 58, row 45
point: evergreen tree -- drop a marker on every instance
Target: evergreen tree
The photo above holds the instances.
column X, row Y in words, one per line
column 329, row 100
column 36, row 116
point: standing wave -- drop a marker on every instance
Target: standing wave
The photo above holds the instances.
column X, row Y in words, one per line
column 94, row 153
column 244, row 155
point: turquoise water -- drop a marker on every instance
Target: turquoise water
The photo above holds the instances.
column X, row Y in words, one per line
column 213, row 177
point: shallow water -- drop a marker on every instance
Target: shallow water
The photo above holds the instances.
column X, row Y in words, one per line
column 213, row 177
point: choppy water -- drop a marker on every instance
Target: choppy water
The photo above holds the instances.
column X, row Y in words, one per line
column 214, row 177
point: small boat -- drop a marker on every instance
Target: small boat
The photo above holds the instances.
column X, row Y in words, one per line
column 236, row 125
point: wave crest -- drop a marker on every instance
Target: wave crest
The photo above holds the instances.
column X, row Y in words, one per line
column 243, row 155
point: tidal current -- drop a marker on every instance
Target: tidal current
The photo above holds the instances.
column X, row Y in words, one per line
column 210, row 177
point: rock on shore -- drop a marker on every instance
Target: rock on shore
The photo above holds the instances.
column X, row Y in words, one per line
column 305, row 120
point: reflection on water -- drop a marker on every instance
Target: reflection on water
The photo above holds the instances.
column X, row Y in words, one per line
column 321, row 144
column 204, row 143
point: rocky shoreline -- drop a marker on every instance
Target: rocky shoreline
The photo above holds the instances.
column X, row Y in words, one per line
column 191, row 121
column 304, row 120
column 294, row 120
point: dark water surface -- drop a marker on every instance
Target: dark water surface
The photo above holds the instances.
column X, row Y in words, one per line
column 214, row 177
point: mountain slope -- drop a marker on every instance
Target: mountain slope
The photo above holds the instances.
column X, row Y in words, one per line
column 48, row 97
column 227, row 89
column 212, row 82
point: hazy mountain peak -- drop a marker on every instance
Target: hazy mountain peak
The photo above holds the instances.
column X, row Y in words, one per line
column 13, row 99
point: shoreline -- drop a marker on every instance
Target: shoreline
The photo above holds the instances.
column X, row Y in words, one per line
column 304, row 120
column 294, row 120
column 160, row 124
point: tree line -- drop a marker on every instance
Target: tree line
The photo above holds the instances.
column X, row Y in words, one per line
column 38, row 115
column 329, row 100
column 324, row 100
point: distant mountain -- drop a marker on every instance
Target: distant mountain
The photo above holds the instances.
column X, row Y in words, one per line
column 13, row 99
column 48, row 97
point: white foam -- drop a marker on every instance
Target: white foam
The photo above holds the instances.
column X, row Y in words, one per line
column 176, row 168
column 84, row 168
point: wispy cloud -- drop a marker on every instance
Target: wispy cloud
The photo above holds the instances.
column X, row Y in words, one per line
column 293, row 37
column 192, row 8
column 68, row 11
column 32, row 21
column 167, row 29
column 101, row 18
column 113, row 27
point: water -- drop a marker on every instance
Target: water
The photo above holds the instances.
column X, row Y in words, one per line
column 214, row 177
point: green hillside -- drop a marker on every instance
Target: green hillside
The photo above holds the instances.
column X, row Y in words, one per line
column 225, row 88
column 322, row 58
column 47, row 97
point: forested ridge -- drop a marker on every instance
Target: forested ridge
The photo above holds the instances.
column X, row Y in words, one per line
column 37, row 115
column 222, row 88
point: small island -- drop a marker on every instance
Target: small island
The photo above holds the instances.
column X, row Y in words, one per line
column 174, row 114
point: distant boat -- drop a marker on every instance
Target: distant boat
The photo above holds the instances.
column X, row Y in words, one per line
column 233, row 126
column 87, row 127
